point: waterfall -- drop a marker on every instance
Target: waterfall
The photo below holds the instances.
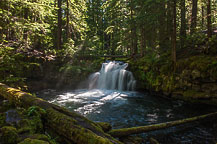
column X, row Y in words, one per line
column 113, row 75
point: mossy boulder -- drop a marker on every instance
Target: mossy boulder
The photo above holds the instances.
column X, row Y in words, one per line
column 8, row 135
column 33, row 141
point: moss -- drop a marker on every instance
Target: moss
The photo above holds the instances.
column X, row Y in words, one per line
column 191, row 94
column 34, row 122
column 40, row 137
column 132, row 140
column 105, row 126
column 8, row 135
column 33, row 141
column 74, row 131
column 24, row 126
column 2, row 119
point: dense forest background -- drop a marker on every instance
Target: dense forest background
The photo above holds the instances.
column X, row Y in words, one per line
column 36, row 32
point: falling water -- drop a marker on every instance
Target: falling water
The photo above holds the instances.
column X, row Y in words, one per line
column 113, row 75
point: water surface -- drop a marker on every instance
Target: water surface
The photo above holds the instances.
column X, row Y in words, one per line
column 128, row 109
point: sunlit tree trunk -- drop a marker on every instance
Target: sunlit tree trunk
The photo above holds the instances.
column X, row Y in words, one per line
column 59, row 31
column 183, row 23
column 194, row 16
column 209, row 26
column 67, row 20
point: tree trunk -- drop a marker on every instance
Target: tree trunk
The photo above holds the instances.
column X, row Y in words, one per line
column 202, row 13
column 68, row 125
column 25, row 36
column 209, row 26
column 194, row 16
column 59, row 29
column 162, row 26
column 142, row 129
column 169, row 24
column 67, row 20
column 174, row 35
column 142, row 41
column 183, row 23
column 134, row 47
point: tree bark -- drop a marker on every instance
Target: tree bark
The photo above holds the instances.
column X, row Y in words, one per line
column 25, row 36
column 68, row 125
column 142, row 41
column 134, row 47
column 59, row 29
column 162, row 25
column 183, row 23
column 169, row 23
column 142, row 129
column 67, row 20
column 174, row 35
column 202, row 13
column 194, row 16
column 209, row 26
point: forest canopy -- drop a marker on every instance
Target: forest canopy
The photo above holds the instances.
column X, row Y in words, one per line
column 47, row 29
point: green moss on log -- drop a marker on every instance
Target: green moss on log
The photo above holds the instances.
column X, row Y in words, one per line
column 33, row 141
column 70, row 125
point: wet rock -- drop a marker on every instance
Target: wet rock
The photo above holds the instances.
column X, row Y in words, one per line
column 33, row 141
column 8, row 135
column 12, row 117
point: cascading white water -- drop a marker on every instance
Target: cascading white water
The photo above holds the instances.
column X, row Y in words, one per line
column 113, row 75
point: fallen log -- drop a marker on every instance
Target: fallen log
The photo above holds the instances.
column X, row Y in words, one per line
column 142, row 129
column 73, row 127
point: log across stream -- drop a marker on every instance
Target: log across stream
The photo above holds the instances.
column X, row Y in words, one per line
column 78, row 129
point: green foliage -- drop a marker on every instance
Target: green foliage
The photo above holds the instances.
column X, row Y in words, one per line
column 35, row 111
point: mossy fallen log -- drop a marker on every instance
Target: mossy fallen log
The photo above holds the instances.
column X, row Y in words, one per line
column 73, row 127
column 142, row 129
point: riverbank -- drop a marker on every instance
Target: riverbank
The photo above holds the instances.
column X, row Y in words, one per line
column 195, row 78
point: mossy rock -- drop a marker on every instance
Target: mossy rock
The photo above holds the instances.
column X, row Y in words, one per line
column 2, row 119
column 24, row 126
column 191, row 94
column 34, row 115
column 33, row 141
column 5, row 105
column 8, row 135
column 40, row 137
